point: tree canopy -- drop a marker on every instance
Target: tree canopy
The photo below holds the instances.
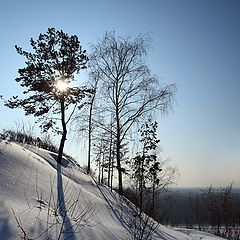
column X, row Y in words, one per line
column 51, row 66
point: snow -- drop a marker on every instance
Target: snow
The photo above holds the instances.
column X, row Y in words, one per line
column 29, row 179
column 198, row 235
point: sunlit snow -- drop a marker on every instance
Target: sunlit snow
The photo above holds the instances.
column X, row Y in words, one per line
column 32, row 186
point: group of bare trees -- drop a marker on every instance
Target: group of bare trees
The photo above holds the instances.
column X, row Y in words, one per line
column 217, row 210
column 126, row 93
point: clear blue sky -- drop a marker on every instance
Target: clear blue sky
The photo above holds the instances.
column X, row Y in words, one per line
column 196, row 44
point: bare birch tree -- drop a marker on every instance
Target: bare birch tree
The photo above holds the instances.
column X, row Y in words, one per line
column 128, row 89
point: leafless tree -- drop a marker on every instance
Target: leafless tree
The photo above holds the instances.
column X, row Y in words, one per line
column 94, row 77
column 196, row 206
column 218, row 203
column 128, row 89
column 227, row 205
column 85, row 122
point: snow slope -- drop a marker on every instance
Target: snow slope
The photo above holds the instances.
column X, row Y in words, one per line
column 29, row 201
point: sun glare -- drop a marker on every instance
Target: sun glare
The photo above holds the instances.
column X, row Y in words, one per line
column 61, row 86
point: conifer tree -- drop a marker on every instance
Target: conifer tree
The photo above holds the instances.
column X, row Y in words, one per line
column 55, row 59
column 146, row 165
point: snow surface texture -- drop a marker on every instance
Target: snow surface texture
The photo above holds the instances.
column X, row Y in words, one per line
column 33, row 186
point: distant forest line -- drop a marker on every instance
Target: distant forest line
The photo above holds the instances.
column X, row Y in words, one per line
column 212, row 209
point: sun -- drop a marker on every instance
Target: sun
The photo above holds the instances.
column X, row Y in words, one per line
column 61, row 85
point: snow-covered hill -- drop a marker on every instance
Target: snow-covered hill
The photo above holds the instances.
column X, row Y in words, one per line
column 31, row 205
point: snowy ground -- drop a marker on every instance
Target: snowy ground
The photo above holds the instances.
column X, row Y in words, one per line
column 30, row 203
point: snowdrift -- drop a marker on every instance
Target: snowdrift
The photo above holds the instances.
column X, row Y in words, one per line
column 44, row 200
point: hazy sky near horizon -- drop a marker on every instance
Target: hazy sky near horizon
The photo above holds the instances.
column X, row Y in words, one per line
column 196, row 44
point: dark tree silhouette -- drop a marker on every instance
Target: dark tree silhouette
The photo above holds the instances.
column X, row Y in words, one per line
column 84, row 122
column 219, row 206
column 146, row 166
column 52, row 65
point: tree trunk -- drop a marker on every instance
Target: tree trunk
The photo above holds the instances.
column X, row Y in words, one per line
column 141, row 185
column 112, row 163
column 118, row 140
column 103, row 164
column 110, row 159
column 118, row 156
column 89, row 136
column 64, row 131
column 153, row 197
column 99, row 169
